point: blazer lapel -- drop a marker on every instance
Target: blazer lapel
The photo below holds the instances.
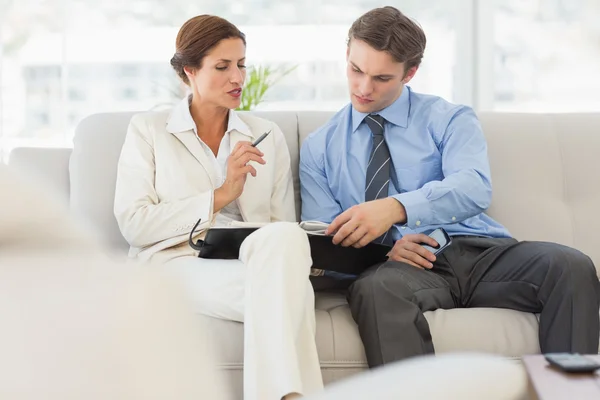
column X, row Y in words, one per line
column 181, row 125
column 192, row 144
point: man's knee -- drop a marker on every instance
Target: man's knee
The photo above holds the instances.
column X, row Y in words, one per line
column 570, row 264
column 387, row 277
column 395, row 283
column 583, row 271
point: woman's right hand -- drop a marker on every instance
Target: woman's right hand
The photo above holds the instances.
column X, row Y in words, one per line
column 237, row 171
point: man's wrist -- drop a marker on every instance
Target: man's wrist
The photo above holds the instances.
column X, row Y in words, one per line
column 398, row 213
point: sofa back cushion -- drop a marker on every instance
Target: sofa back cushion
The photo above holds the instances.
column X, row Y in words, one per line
column 546, row 185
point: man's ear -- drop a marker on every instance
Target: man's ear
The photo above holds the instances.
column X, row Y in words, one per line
column 409, row 74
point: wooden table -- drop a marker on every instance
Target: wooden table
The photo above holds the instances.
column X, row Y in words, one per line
column 548, row 383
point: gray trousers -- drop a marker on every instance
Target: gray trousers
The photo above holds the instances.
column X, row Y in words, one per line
column 388, row 300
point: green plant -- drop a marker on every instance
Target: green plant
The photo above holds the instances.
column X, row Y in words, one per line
column 258, row 81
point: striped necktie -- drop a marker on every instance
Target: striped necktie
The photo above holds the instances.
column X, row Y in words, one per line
column 377, row 183
column 378, row 168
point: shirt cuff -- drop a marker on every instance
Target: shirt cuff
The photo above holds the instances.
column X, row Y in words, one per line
column 417, row 207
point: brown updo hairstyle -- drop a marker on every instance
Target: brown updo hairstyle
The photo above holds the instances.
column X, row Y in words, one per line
column 197, row 37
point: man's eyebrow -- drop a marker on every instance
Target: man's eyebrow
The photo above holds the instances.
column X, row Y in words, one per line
column 355, row 66
column 383, row 76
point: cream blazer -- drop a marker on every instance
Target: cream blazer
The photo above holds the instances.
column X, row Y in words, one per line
column 165, row 181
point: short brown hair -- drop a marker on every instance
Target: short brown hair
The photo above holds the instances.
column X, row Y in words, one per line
column 197, row 37
column 387, row 29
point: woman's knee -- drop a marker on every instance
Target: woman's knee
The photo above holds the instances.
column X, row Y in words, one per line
column 277, row 237
column 282, row 248
column 282, row 233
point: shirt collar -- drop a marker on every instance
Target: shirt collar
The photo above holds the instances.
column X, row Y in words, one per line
column 181, row 120
column 397, row 113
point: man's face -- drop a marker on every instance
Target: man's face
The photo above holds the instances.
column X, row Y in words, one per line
column 375, row 79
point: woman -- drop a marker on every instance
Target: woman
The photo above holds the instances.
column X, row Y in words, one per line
column 197, row 162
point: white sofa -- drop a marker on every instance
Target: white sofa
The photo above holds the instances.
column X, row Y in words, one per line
column 546, row 187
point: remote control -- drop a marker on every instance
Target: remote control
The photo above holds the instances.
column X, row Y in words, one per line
column 572, row 362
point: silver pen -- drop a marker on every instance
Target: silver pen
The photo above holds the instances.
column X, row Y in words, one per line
column 260, row 139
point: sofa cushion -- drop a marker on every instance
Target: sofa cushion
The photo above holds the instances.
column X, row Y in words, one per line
column 546, row 186
column 288, row 123
column 498, row 331
column 93, row 171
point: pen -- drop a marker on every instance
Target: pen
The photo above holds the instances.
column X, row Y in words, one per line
column 260, row 139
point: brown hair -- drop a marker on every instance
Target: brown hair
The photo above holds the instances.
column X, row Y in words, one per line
column 197, row 37
column 387, row 29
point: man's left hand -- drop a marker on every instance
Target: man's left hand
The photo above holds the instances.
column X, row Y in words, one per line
column 361, row 224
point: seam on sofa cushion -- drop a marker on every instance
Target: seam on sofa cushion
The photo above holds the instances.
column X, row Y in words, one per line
column 298, row 130
column 343, row 367
column 335, row 364
column 331, row 362
column 332, row 334
column 334, row 307
column 324, row 366
column 563, row 168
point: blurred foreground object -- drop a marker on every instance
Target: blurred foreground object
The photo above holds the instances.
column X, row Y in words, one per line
column 77, row 324
column 458, row 376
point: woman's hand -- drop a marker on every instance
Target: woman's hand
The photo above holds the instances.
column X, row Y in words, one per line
column 237, row 171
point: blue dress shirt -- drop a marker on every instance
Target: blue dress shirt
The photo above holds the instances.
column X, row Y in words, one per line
column 440, row 169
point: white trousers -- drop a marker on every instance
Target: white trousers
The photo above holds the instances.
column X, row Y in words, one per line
column 269, row 291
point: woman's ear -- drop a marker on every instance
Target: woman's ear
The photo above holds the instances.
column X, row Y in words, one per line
column 189, row 71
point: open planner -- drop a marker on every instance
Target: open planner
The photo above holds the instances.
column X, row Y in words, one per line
column 224, row 242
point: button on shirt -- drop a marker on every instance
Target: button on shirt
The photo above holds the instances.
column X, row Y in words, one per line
column 440, row 169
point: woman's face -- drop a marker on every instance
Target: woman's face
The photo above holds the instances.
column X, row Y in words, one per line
column 220, row 78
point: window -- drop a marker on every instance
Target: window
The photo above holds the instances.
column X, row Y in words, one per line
column 76, row 94
column 66, row 58
column 128, row 71
column 546, row 56
column 128, row 93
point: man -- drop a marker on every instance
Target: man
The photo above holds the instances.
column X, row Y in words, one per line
column 394, row 165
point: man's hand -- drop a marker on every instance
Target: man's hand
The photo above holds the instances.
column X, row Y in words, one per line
column 409, row 250
column 361, row 224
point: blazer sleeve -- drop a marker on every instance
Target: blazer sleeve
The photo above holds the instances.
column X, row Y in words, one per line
column 143, row 219
column 283, row 206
